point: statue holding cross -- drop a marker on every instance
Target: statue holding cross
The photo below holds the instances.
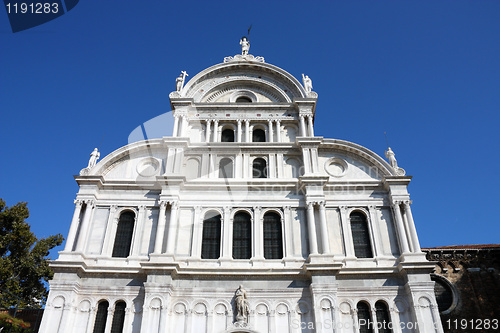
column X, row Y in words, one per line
column 179, row 82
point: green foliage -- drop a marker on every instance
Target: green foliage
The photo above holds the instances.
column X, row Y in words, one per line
column 23, row 258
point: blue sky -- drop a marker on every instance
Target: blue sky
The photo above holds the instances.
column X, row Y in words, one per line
column 425, row 72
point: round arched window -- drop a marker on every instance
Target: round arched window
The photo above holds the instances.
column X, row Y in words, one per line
column 243, row 99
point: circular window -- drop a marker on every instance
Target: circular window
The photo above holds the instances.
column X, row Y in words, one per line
column 445, row 296
column 336, row 167
column 148, row 167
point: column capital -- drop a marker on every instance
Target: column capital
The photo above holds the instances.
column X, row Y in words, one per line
column 163, row 204
column 78, row 202
column 321, row 204
column 174, row 204
column 142, row 207
column 90, row 202
column 407, row 202
column 310, row 204
column 372, row 207
column 287, row 209
column 343, row 209
column 197, row 209
column 397, row 203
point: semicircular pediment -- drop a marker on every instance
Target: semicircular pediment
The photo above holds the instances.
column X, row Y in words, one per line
column 272, row 83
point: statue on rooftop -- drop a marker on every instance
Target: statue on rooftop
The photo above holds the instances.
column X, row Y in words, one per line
column 391, row 156
column 245, row 45
column 94, row 156
column 307, row 83
column 179, row 82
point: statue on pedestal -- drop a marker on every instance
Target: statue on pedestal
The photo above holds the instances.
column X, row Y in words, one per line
column 241, row 303
column 245, row 45
column 391, row 156
column 307, row 83
column 94, row 156
column 179, row 82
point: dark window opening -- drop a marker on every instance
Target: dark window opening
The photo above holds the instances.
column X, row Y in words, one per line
column 123, row 239
column 227, row 135
column 364, row 318
column 210, row 245
column 360, row 235
column 444, row 295
column 243, row 99
column 258, row 135
column 273, row 239
column 259, row 168
column 118, row 318
column 226, row 168
column 101, row 316
column 242, row 236
column 383, row 320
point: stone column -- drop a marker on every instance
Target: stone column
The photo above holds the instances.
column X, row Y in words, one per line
column 287, row 231
column 239, row 130
column 227, row 234
column 270, row 130
column 172, row 227
column 160, row 228
column 247, row 130
column 258, row 233
column 176, row 126
column 310, row 125
column 325, row 243
column 109, row 319
column 84, row 230
column 216, row 131
column 306, row 156
column 197, row 233
column 138, row 227
column 302, row 125
column 374, row 319
column 127, row 322
column 311, row 228
column 91, row 321
column 356, row 320
column 377, row 246
column 278, row 131
column 346, row 230
column 403, row 242
column 207, row 131
column 75, row 221
column 110, row 231
column 185, row 124
column 411, row 225
column 314, row 160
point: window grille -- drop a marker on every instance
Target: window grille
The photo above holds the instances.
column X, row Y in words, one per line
column 124, row 231
column 101, row 316
column 259, row 168
column 210, row 245
column 360, row 235
column 383, row 320
column 273, row 239
column 242, row 236
column 118, row 317
column 364, row 319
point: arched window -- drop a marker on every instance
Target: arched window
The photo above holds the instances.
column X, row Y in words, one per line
column 360, row 235
column 124, row 232
column 227, row 135
column 383, row 320
column 118, row 317
column 242, row 236
column 226, row 168
column 243, row 99
column 273, row 239
column 364, row 318
column 210, row 244
column 259, row 168
column 258, row 135
column 101, row 316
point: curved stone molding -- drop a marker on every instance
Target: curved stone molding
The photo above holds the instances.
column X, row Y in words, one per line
column 336, row 167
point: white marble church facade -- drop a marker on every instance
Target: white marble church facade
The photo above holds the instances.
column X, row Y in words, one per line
column 318, row 232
